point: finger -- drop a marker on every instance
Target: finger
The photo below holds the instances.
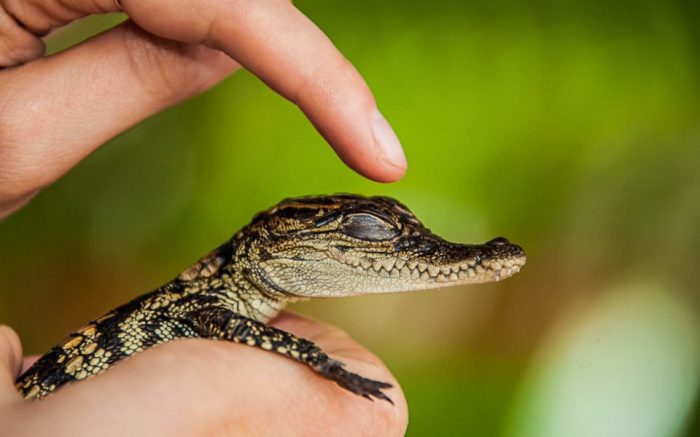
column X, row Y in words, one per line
column 56, row 110
column 285, row 49
column 10, row 364
column 277, row 43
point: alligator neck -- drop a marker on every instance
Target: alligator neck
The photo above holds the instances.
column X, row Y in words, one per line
column 224, row 277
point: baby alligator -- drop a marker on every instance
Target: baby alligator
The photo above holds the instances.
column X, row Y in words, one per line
column 324, row 246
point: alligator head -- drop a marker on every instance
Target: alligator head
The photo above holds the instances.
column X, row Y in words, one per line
column 343, row 245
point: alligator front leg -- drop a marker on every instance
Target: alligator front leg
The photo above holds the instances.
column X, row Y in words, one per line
column 221, row 323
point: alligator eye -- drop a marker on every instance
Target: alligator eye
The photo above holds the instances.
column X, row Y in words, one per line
column 367, row 227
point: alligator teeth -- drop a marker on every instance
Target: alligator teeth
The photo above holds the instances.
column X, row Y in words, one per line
column 433, row 270
column 415, row 270
column 388, row 264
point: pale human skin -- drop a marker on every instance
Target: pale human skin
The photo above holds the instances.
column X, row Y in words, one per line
column 56, row 110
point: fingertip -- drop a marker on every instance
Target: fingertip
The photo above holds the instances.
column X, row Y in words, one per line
column 389, row 173
column 374, row 166
column 377, row 154
column 387, row 142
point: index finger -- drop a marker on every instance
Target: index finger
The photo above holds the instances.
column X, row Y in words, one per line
column 276, row 42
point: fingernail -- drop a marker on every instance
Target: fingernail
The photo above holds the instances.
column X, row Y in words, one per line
column 389, row 146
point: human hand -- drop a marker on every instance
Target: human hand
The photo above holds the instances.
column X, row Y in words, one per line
column 56, row 110
column 205, row 387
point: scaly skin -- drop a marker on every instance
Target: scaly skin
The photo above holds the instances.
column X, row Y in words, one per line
column 324, row 246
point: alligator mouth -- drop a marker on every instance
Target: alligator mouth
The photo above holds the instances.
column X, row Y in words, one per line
column 478, row 265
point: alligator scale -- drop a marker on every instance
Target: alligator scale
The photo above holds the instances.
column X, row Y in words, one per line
column 324, row 246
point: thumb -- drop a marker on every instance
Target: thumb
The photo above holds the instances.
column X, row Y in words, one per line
column 10, row 364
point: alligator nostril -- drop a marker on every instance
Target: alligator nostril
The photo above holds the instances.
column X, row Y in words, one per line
column 517, row 250
column 498, row 241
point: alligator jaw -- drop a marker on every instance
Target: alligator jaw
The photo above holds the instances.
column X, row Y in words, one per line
column 477, row 264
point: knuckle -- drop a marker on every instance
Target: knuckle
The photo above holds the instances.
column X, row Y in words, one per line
column 163, row 68
column 383, row 419
column 388, row 419
column 392, row 421
column 17, row 45
column 145, row 56
column 331, row 85
column 31, row 14
column 40, row 16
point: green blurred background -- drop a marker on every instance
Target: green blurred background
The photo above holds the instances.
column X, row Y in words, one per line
column 569, row 127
